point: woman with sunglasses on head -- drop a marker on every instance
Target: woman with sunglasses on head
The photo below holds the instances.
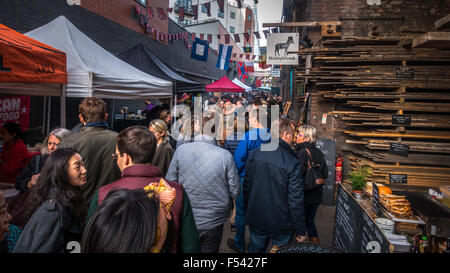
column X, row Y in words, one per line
column 55, row 213
column 311, row 158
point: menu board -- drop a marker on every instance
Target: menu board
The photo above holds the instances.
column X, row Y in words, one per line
column 328, row 148
column 354, row 230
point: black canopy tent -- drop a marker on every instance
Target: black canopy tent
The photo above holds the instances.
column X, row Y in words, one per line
column 141, row 58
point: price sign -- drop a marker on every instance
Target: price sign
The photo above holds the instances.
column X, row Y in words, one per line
column 398, row 178
column 399, row 149
column 401, row 119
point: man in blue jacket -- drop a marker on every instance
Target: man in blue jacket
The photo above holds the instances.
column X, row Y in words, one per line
column 273, row 194
column 252, row 140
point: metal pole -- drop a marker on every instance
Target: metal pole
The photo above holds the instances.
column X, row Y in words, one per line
column 63, row 106
column 49, row 114
column 43, row 115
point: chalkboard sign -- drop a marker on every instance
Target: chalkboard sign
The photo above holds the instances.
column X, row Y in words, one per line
column 404, row 73
column 354, row 230
column 398, row 178
column 399, row 149
column 375, row 199
column 401, row 119
column 328, row 148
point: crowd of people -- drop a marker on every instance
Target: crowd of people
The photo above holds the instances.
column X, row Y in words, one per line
column 161, row 192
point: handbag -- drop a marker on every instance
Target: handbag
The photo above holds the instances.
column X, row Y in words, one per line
column 17, row 207
column 312, row 178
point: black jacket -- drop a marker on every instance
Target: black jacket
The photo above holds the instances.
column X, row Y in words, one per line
column 49, row 230
column 273, row 191
column 34, row 167
column 313, row 196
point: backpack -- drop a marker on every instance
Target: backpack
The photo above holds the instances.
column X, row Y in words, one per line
column 312, row 177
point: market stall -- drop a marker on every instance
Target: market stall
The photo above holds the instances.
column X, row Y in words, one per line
column 140, row 57
column 224, row 85
column 410, row 220
column 28, row 68
column 92, row 70
column 243, row 85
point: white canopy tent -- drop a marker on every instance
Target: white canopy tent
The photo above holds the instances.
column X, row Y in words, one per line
column 93, row 71
column 241, row 84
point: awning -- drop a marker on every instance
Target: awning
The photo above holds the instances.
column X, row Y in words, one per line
column 243, row 85
column 224, row 85
column 25, row 60
column 92, row 70
column 140, row 57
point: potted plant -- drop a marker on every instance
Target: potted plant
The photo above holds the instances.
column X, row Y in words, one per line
column 358, row 179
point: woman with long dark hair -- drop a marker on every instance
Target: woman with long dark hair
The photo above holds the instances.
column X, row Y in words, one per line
column 140, row 220
column 55, row 213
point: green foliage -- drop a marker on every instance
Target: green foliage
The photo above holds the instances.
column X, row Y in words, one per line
column 358, row 178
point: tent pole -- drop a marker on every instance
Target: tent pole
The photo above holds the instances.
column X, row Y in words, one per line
column 113, row 115
column 43, row 115
column 175, row 109
column 49, row 113
column 63, row 106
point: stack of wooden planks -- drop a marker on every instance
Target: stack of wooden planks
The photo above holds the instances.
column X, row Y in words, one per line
column 371, row 80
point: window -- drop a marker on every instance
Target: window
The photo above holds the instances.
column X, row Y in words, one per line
column 142, row 2
column 232, row 29
column 220, row 14
column 232, row 15
column 204, row 10
column 184, row 3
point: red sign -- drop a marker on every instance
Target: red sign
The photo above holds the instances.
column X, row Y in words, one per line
column 15, row 109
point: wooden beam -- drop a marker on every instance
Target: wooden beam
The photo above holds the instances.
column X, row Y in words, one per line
column 432, row 40
column 444, row 22
column 302, row 24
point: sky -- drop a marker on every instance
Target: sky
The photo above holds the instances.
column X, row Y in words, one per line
column 269, row 11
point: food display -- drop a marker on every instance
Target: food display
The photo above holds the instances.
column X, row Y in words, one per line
column 398, row 206
column 383, row 190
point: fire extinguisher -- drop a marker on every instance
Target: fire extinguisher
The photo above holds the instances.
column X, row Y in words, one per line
column 338, row 169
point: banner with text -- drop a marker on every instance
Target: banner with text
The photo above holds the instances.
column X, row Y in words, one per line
column 15, row 109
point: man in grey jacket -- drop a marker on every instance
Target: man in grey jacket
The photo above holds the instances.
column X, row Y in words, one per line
column 209, row 176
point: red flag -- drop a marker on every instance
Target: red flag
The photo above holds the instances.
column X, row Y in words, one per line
column 236, row 38
column 221, row 4
column 209, row 38
column 227, row 38
column 246, row 36
column 208, row 8
column 202, row 36
column 195, row 10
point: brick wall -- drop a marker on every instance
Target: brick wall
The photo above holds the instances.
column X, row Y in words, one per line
column 123, row 12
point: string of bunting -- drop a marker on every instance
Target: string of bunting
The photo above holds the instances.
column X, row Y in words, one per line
column 144, row 16
column 162, row 13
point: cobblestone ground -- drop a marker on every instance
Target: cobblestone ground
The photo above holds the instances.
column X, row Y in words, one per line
column 324, row 224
